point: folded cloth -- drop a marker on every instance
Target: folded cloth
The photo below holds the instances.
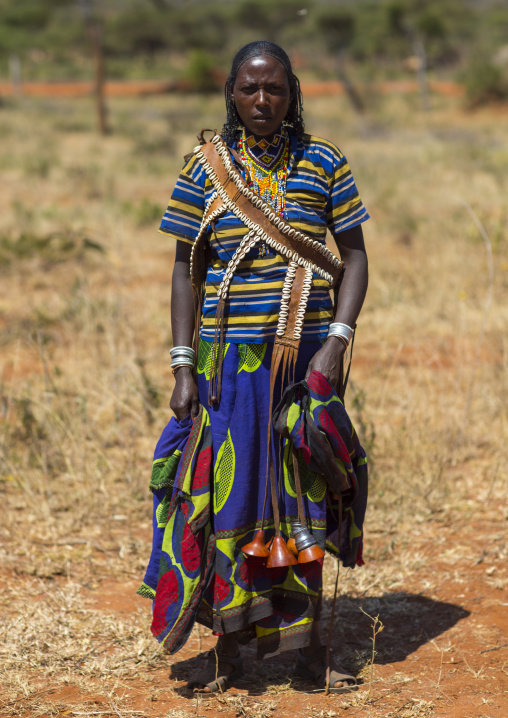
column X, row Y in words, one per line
column 311, row 415
column 183, row 548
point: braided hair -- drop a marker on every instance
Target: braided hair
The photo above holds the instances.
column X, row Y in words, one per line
column 258, row 48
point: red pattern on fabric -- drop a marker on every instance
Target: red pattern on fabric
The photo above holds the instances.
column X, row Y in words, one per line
column 220, row 589
column 166, row 595
column 311, row 571
column 191, row 554
column 288, row 617
column 201, row 475
column 329, row 426
column 359, row 556
column 252, row 568
column 318, row 383
column 303, row 446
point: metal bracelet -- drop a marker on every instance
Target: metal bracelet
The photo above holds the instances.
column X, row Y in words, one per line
column 184, row 351
column 341, row 330
column 338, row 333
column 182, row 362
column 342, row 339
column 181, row 359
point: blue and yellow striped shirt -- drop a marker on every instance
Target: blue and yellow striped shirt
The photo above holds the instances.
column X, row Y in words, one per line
column 321, row 194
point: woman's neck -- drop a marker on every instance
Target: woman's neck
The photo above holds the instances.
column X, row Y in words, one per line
column 267, row 138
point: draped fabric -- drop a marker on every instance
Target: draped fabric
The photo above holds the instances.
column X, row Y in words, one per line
column 208, row 482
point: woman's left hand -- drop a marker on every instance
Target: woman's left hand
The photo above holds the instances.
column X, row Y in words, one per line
column 328, row 360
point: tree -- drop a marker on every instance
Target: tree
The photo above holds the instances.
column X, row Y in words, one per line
column 338, row 30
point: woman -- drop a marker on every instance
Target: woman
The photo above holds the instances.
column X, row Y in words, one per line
column 306, row 183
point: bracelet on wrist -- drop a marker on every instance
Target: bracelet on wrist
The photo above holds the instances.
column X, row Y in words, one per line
column 182, row 356
column 340, row 338
column 338, row 329
column 182, row 351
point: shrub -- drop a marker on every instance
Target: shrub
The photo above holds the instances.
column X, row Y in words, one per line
column 485, row 82
column 200, row 74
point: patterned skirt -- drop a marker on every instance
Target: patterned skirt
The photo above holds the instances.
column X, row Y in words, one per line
column 277, row 605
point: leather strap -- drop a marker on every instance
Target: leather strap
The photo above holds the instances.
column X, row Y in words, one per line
column 300, row 245
column 298, row 486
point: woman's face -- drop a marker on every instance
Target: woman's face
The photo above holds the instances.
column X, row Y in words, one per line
column 261, row 94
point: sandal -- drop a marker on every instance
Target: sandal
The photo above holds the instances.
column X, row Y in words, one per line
column 318, row 673
column 219, row 670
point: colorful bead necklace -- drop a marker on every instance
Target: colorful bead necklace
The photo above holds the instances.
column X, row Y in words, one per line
column 267, row 164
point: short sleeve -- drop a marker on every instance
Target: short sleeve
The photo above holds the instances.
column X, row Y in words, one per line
column 345, row 208
column 183, row 216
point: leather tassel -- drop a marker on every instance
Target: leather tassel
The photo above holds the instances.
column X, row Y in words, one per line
column 298, row 487
column 305, row 544
column 214, row 385
column 221, row 349
column 198, row 305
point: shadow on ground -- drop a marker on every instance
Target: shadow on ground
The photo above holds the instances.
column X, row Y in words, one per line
column 409, row 621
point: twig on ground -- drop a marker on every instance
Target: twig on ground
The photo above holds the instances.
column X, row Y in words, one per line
column 114, row 707
column 29, row 697
column 217, row 669
column 440, row 667
column 476, row 674
column 494, row 648
column 377, row 627
column 440, row 674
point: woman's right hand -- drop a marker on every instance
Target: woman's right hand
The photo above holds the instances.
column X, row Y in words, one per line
column 185, row 397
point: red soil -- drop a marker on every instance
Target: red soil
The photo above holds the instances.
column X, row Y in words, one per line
column 443, row 652
column 133, row 88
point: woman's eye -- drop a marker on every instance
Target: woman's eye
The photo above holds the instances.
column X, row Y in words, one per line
column 270, row 89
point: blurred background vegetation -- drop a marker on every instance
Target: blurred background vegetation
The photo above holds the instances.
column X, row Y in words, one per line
column 191, row 42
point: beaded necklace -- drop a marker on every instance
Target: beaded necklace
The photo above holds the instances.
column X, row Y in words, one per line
column 267, row 164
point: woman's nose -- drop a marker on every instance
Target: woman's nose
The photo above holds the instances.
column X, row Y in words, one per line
column 262, row 98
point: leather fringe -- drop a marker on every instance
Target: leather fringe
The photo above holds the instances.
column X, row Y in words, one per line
column 215, row 383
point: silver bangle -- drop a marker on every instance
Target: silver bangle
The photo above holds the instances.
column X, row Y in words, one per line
column 338, row 329
column 181, row 362
column 183, row 351
column 182, row 357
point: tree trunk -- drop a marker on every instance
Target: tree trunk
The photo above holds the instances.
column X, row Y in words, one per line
column 100, row 78
column 349, row 87
column 419, row 51
column 94, row 33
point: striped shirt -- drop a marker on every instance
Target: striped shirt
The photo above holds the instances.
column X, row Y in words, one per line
column 321, row 194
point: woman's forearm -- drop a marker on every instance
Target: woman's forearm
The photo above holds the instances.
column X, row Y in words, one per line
column 328, row 360
column 354, row 283
column 182, row 301
column 185, row 397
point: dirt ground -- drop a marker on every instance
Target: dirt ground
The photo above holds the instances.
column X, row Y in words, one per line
column 443, row 650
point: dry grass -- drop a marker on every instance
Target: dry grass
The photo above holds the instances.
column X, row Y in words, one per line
column 85, row 382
